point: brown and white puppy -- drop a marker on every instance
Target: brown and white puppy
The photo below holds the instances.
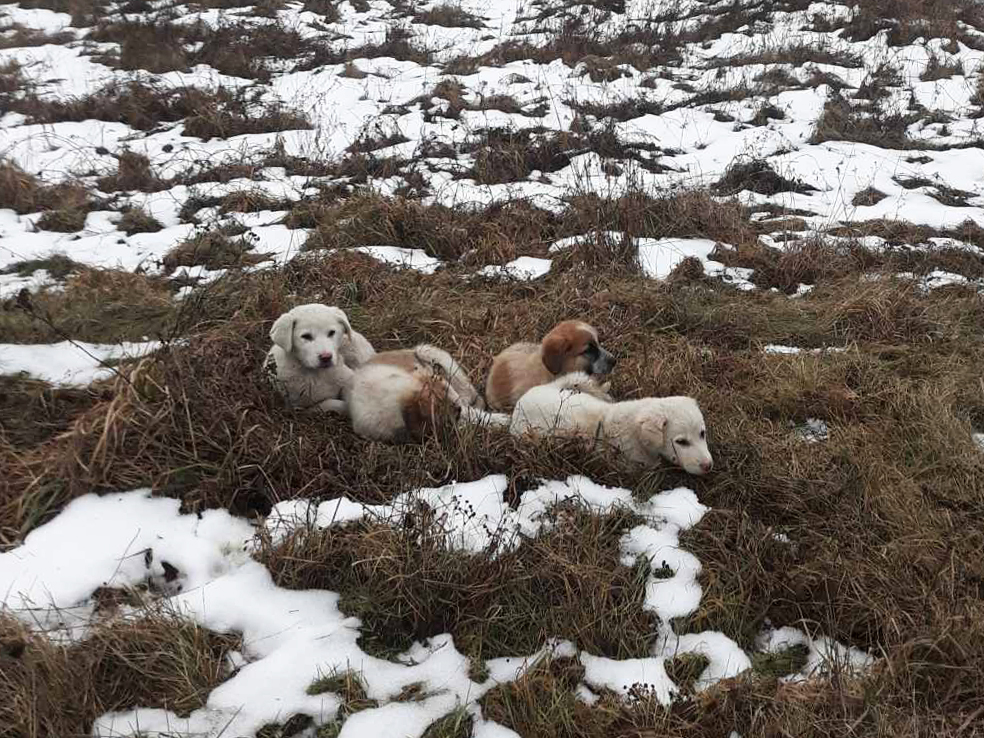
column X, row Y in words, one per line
column 400, row 396
column 314, row 352
column 645, row 430
column 571, row 346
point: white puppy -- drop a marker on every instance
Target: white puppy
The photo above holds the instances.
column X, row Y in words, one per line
column 314, row 352
column 644, row 430
column 399, row 395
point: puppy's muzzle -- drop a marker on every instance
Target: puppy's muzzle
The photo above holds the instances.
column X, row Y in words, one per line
column 604, row 363
column 325, row 360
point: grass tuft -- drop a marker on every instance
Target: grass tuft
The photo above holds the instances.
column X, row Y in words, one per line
column 158, row 660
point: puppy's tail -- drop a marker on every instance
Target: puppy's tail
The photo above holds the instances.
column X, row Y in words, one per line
column 430, row 407
column 435, row 358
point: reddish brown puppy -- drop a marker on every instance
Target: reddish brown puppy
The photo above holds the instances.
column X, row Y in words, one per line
column 571, row 346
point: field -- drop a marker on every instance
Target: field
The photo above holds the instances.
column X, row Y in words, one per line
column 776, row 207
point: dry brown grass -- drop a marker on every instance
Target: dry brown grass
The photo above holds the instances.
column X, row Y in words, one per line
column 757, row 176
column 841, row 121
column 101, row 306
column 883, row 518
column 48, row 690
column 133, row 172
column 83, row 12
column 33, row 412
column 906, row 20
column 399, row 43
column 137, row 220
column 22, row 36
column 566, row 583
column 64, row 205
column 797, row 54
column 504, row 155
column 502, row 232
column 220, row 114
column 448, row 15
column 239, row 50
column 220, row 248
column 11, row 81
column 643, row 44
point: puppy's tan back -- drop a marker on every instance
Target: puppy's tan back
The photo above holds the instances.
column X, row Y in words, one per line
column 402, row 358
column 523, row 366
column 514, row 371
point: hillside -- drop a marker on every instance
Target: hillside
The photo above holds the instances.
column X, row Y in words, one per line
column 774, row 207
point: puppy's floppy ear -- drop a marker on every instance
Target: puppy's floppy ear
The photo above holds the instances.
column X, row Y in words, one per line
column 554, row 350
column 654, row 426
column 346, row 326
column 282, row 332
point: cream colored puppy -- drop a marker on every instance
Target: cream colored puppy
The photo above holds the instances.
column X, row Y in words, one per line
column 313, row 354
column 398, row 396
column 644, row 430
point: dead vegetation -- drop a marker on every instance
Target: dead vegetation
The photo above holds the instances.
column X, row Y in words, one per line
column 794, row 54
column 156, row 661
column 236, row 49
column 33, row 411
column 504, row 155
column 83, row 12
column 11, row 81
column 842, row 121
column 905, row 21
column 96, row 305
column 398, row 43
column 757, row 176
column 220, row 114
column 448, row 100
column 891, row 497
column 18, row 36
column 136, row 220
column 448, row 15
column 24, row 193
column 501, row 232
column 492, row 608
column 220, row 248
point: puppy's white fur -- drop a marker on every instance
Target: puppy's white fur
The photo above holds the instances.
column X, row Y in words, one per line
column 644, row 430
column 397, row 394
column 314, row 352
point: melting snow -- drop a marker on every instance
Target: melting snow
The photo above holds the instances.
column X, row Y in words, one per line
column 825, row 656
column 417, row 259
column 69, row 363
column 813, row 430
column 693, row 142
column 291, row 637
column 523, row 268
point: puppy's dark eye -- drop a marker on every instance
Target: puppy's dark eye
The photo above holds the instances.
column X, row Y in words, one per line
column 307, row 336
column 331, row 333
column 590, row 350
column 682, row 442
column 703, row 433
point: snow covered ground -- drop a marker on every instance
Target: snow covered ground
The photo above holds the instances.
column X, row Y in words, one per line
column 292, row 637
column 689, row 123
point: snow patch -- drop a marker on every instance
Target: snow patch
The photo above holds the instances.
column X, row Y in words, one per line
column 69, row 363
column 416, row 259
